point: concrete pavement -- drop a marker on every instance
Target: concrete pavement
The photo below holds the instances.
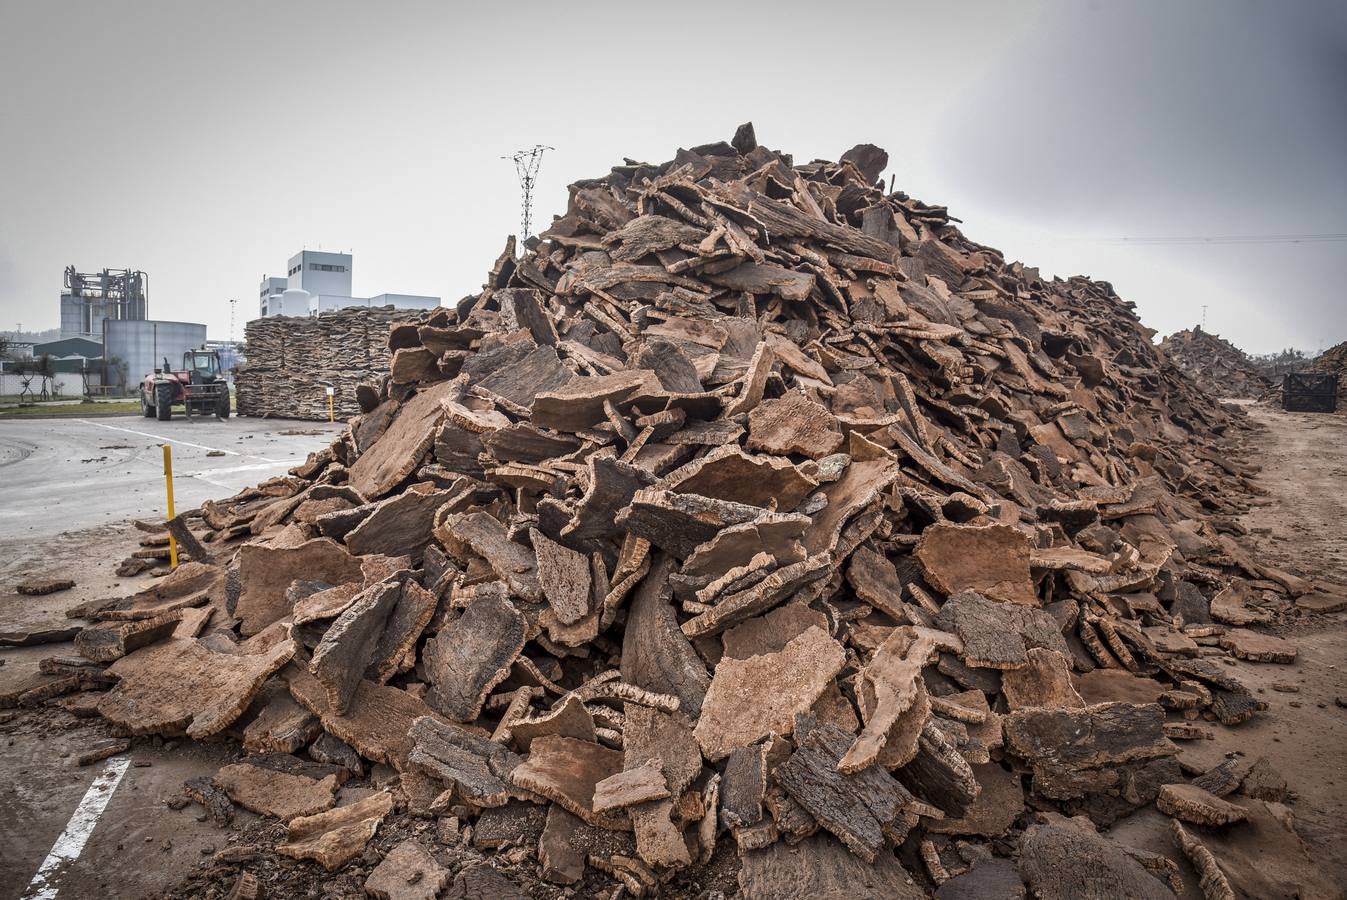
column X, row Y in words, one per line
column 59, row 475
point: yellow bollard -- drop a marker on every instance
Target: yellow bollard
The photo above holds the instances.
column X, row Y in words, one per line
column 168, row 482
column 331, row 414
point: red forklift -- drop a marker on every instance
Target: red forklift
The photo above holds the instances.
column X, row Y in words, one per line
column 199, row 387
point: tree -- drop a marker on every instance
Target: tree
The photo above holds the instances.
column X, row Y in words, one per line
column 119, row 371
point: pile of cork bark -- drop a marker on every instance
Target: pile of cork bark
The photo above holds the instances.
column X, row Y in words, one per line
column 293, row 360
column 752, row 520
column 1218, row 366
column 1333, row 361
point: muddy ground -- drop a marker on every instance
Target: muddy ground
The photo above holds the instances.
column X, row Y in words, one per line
column 142, row 848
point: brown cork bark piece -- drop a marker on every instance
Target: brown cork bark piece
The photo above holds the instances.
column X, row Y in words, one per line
column 1044, row 681
column 340, row 658
column 401, row 448
column 408, row 872
column 565, row 578
column 181, row 686
column 793, row 425
column 467, row 659
column 376, row 721
column 566, row 771
column 990, row 559
column 269, row 792
column 751, row 698
column 475, row 767
column 335, row 837
column 1192, row 804
column 266, row 571
column 858, row 807
column 631, row 787
column 656, row 655
column 998, row 635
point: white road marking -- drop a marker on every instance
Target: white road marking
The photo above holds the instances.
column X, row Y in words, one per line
column 249, row 467
column 161, row 438
column 205, row 474
column 70, row 844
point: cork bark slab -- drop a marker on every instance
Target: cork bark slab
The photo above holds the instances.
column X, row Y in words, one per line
column 408, row 872
column 998, row 635
column 283, row 726
column 1192, row 804
column 579, row 404
column 340, row 658
column 1044, row 681
column 631, row 787
column 1106, row 734
column 269, row 792
column 472, row 655
column 513, row 563
column 335, row 837
column 752, row 698
column 793, row 425
column 999, row 803
column 1257, row 647
column 729, row 473
column 265, row 572
column 565, row 578
column 820, row 867
column 656, row 655
column 401, row 447
column 182, row 686
column 761, row 597
column 395, row 651
column 566, row 771
column 1067, row 862
column 857, row 808
column 990, row 559
column 876, row 582
column 375, row 723
column 888, row 687
column 191, row 584
column 107, row 641
column 541, row 371
column 568, row 719
column 770, row 632
column 475, row 767
column 651, row 735
column 398, row 525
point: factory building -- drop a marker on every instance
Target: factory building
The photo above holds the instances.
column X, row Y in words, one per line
column 317, row 282
column 88, row 299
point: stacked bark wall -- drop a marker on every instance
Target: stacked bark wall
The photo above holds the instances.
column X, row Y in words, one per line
column 293, row 359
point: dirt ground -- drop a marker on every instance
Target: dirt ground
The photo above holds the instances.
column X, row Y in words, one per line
column 142, row 848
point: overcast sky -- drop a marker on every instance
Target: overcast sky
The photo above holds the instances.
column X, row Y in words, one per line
column 207, row 142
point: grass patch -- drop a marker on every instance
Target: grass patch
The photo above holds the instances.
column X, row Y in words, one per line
column 72, row 409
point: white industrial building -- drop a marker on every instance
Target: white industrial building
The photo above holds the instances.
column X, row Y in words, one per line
column 318, row 281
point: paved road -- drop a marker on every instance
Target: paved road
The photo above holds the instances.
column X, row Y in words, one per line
column 68, row 474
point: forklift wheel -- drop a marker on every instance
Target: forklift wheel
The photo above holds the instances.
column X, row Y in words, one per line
column 164, row 402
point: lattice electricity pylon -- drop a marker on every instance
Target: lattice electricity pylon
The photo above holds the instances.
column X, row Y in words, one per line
column 526, row 164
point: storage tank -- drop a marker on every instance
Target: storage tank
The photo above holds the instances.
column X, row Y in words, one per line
column 143, row 344
column 295, row 302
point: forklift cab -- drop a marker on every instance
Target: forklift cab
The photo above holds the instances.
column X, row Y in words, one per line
column 202, row 366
